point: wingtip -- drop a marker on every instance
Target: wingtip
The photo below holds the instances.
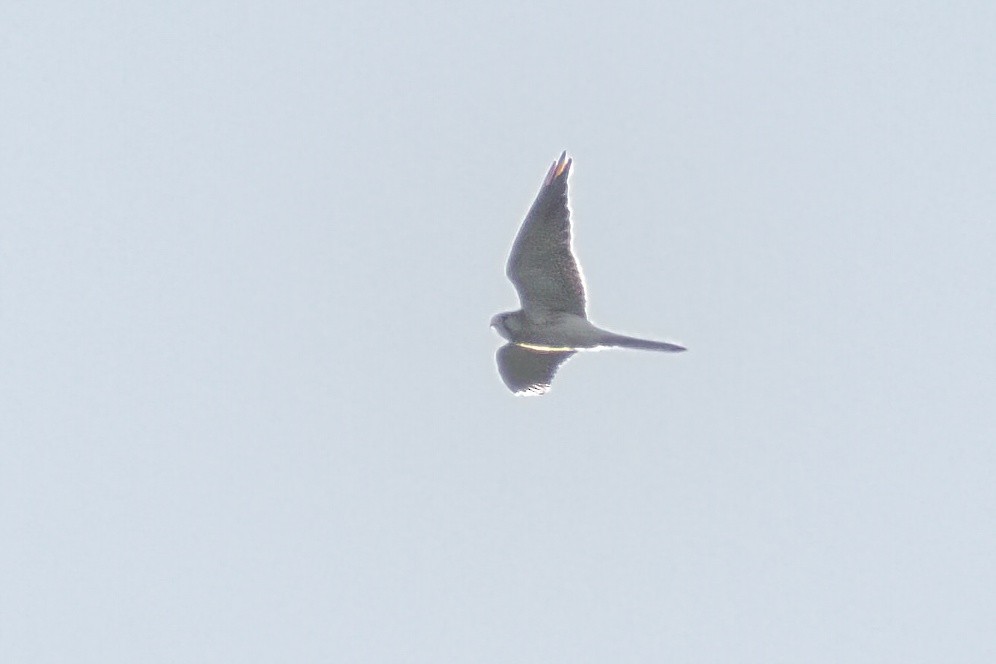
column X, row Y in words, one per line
column 562, row 165
column 558, row 168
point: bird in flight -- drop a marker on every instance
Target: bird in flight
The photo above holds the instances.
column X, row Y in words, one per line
column 551, row 325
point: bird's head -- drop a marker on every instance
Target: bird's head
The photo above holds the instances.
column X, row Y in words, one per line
column 506, row 324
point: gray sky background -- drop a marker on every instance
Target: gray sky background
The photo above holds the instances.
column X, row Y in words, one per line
column 248, row 403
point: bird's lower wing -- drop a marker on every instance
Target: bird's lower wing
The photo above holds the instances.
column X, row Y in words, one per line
column 528, row 371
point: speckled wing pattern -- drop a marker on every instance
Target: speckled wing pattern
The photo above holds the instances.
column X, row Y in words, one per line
column 541, row 265
column 528, row 371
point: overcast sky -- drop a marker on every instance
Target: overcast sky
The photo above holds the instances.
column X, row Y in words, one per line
column 248, row 403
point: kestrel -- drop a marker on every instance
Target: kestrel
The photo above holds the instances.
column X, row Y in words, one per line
column 551, row 325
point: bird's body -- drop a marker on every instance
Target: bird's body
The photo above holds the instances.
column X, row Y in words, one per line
column 566, row 331
column 550, row 329
column 552, row 323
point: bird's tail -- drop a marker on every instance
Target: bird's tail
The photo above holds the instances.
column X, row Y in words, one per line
column 612, row 339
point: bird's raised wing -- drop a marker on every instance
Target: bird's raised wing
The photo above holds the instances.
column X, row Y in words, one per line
column 542, row 266
column 527, row 371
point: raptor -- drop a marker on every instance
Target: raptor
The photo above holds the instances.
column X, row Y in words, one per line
column 551, row 324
